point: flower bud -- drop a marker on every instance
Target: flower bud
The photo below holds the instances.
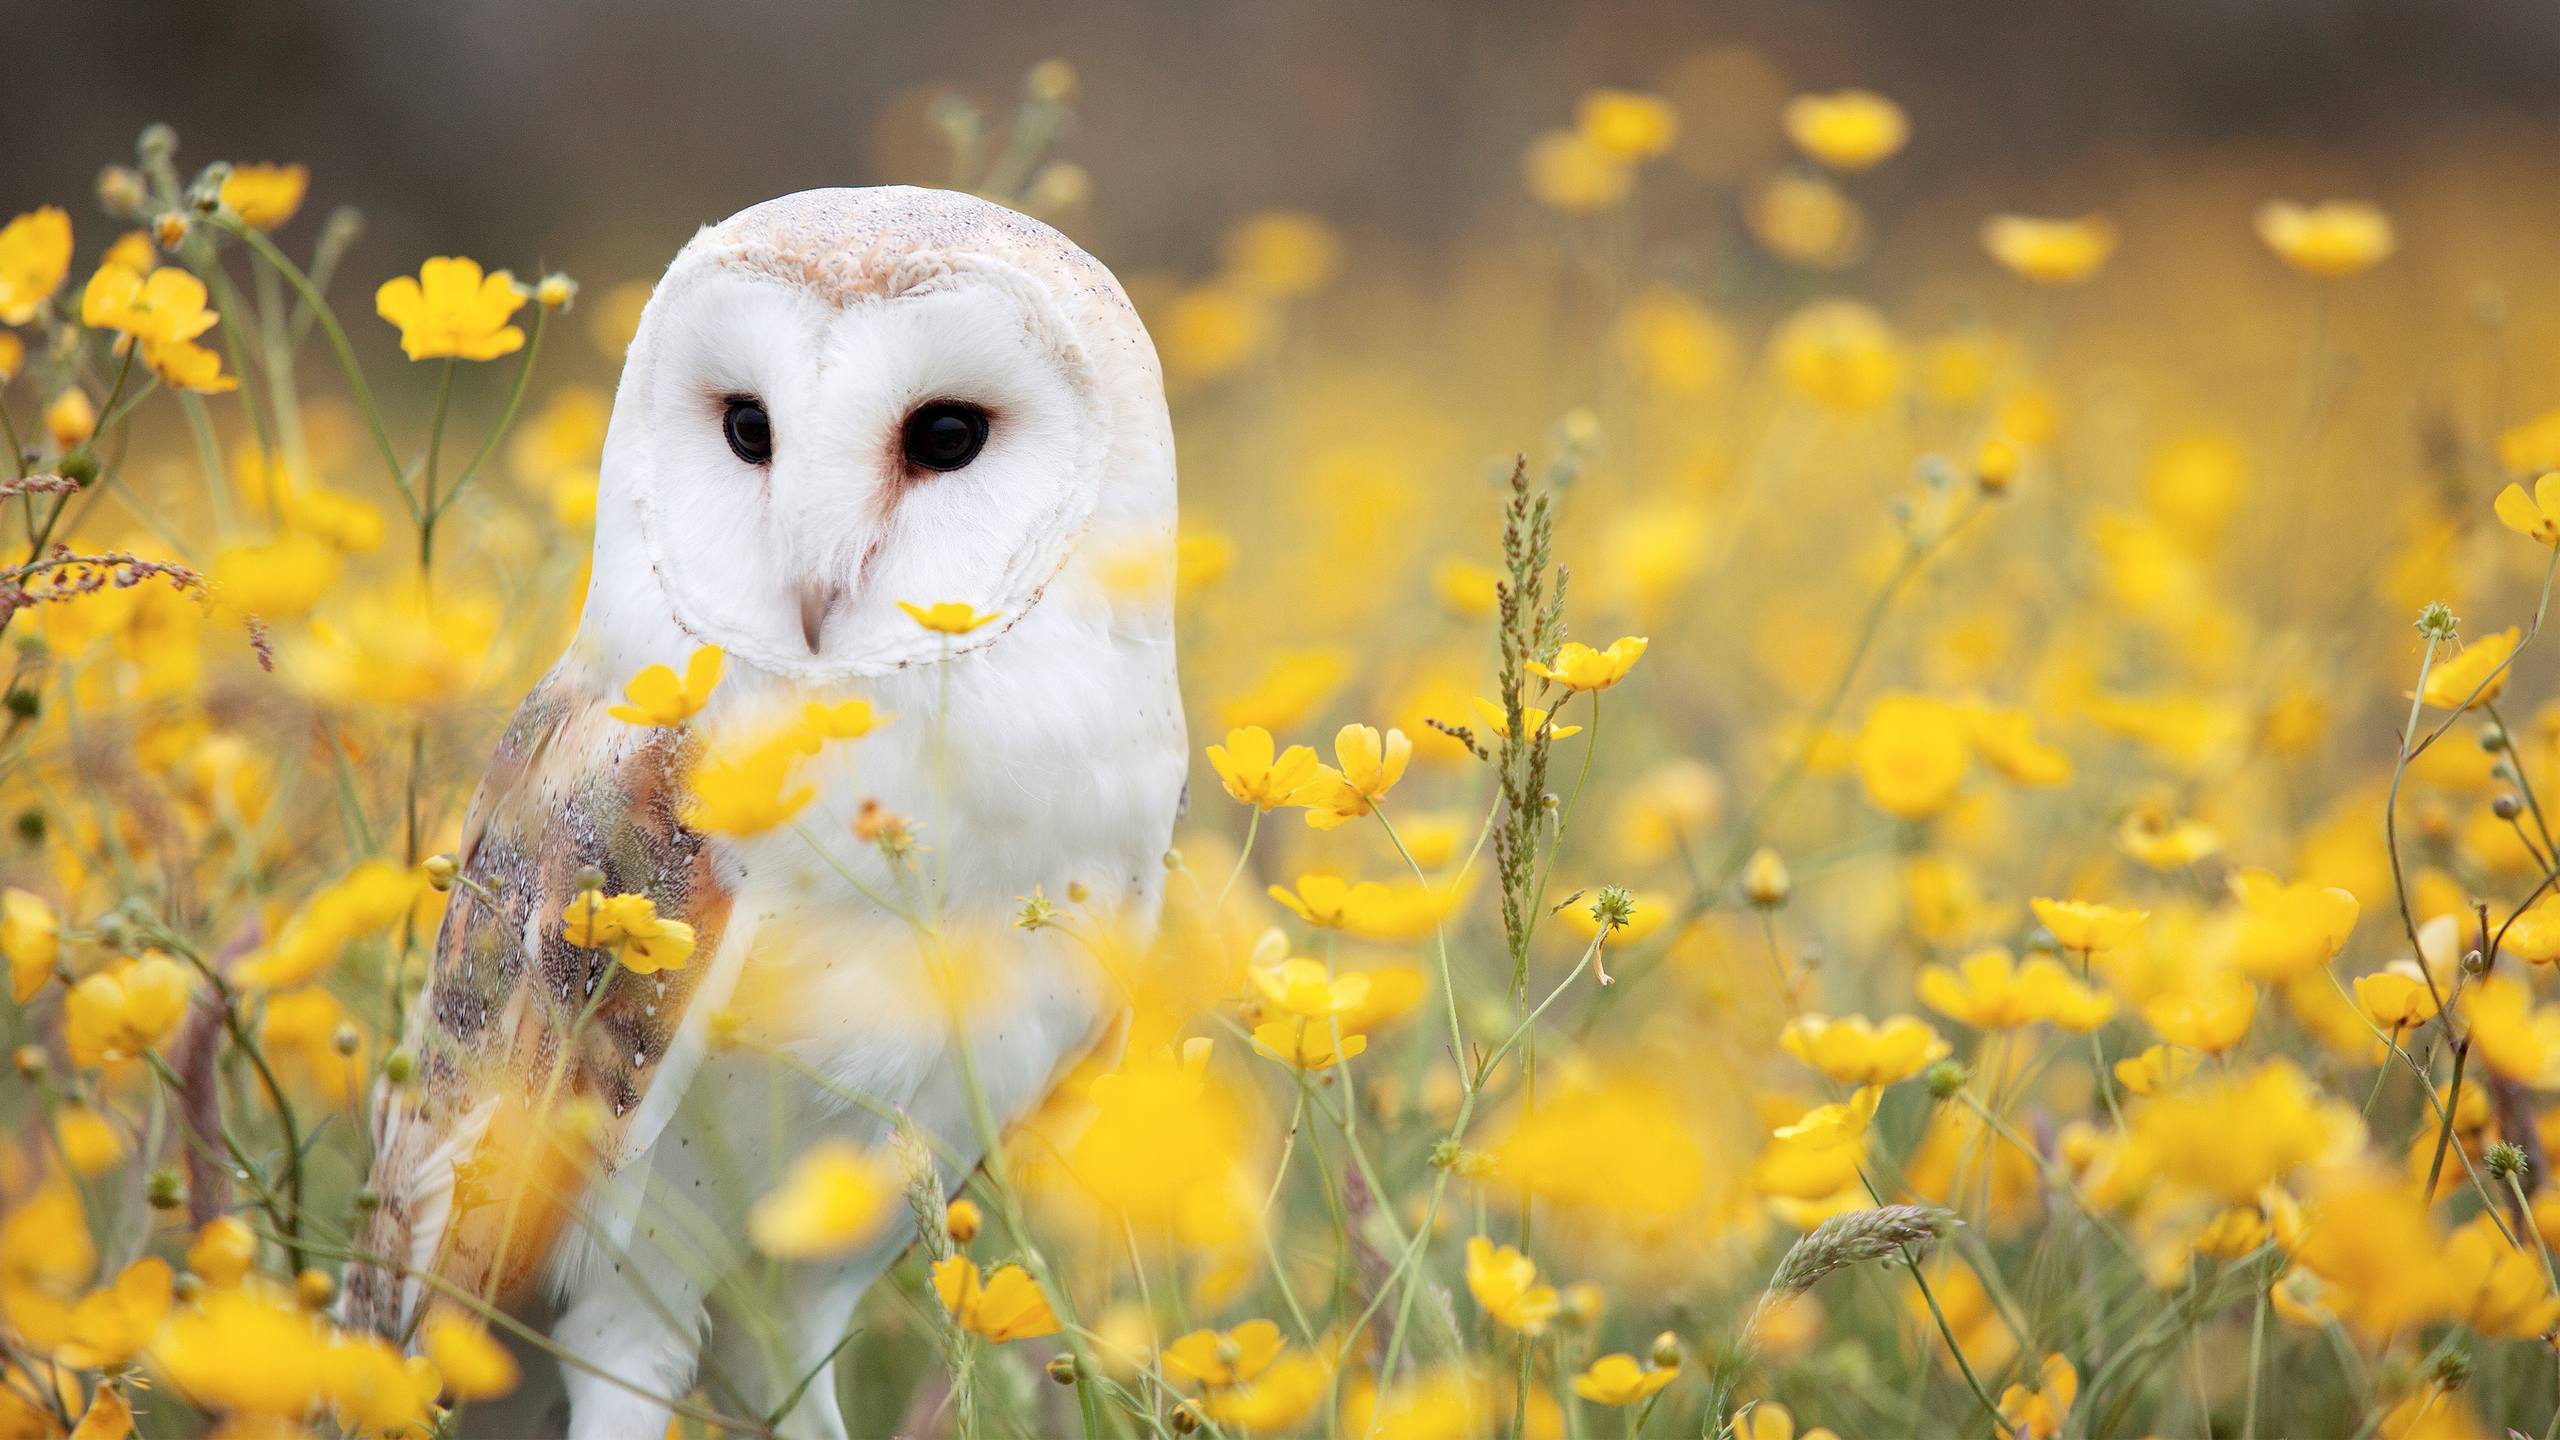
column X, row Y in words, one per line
column 1765, row 882
column 2453, row 1369
column 399, row 1067
column 589, row 878
column 2474, row 963
column 31, row 1062
column 1996, row 466
column 79, row 468
column 2507, row 806
column 1062, row 1368
column 440, row 871
column 2493, row 737
column 1944, row 1079
column 1666, row 1351
column 1173, row 860
column 166, row 1189
column 71, row 419
column 24, row 704
column 2504, row 1160
column 169, row 231
column 367, row 1200
column 555, row 291
column 156, row 144
column 2438, row 622
column 963, row 1220
column 1185, row 1419
column 31, row 825
column 346, row 1040
column 1051, row 81
column 315, row 1288
column 1077, row 893
column 121, row 192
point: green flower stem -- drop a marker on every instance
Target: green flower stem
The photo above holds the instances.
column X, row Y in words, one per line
column 506, row 418
column 310, row 294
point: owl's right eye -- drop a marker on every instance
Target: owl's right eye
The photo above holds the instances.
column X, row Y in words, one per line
column 748, row 430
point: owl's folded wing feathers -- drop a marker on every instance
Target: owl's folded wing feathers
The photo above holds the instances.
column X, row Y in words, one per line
column 529, row 1081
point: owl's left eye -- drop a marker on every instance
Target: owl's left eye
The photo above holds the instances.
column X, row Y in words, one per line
column 748, row 430
column 945, row 435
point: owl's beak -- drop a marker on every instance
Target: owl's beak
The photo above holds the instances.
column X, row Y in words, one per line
column 816, row 601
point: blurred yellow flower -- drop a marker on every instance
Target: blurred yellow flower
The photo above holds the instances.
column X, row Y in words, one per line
column 1006, row 1305
column 1212, row 330
column 1279, row 1399
column 2332, row 239
column 1283, row 253
column 1567, row 170
column 35, row 258
column 1847, row 129
column 643, row 941
column 2509, row 1033
column 2287, row 930
column 2158, row 1070
column 1214, row 1358
column 265, row 196
column 657, row 697
column 2231, row 1135
column 1505, row 1283
column 30, row 938
column 2536, row 515
column 1307, row 1044
column 1533, row 719
column 834, row 1198
column 116, row 1015
column 1769, row 1420
column 2164, row 842
column 2036, row 1412
column 1621, row 1380
column 1255, row 776
column 829, row 720
column 1806, row 219
column 2052, row 252
column 364, row 902
column 2500, row 1287
column 223, row 1250
column 110, row 1326
column 473, row 1366
column 2086, row 926
column 2474, row 676
column 449, row 309
column 13, row 355
column 2005, row 738
column 948, row 617
column 1305, row 988
column 1677, row 347
column 1841, row 355
column 748, row 787
column 1989, row 990
column 2210, row 1017
column 1818, row 1155
column 1627, row 123
column 1854, row 1051
column 71, row 419
column 163, row 312
column 1912, row 754
column 1292, row 684
column 1578, row 667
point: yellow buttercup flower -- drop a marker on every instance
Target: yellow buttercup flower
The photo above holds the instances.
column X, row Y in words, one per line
column 1989, row 990
column 1912, row 754
column 1818, row 1155
column 1212, row 1358
column 2534, row 935
column 2397, row 998
column 111, row 1326
column 472, row 1365
column 117, row 1015
column 2333, row 239
column 1621, row 1380
column 35, row 258
column 222, row 1252
column 2088, row 927
column 2164, row 842
column 1370, row 765
column 835, row 1198
column 2158, row 1070
column 1578, row 667
column 1277, row 1401
column 2536, row 515
column 1308, row 1045
column 2211, row 1017
column 163, row 312
column 1006, row 1305
column 1769, row 1420
column 2006, row 740
column 657, row 697
column 1533, row 719
column 949, row 617
column 2503, row 1292
column 1305, row 988
column 2509, row 1033
column 1252, row 774
column 450, row 309
column 2036, row 1412
column 1505, row 1283
column 630, row 926
column 825, row 721
column 1855, row 1051
column 1841, row 355
column 2474, row 676
column 1283, row 252
column 30, row 938
column 1847, row 129
column 744, row 789
column 265, row 196
column 2287, row 930
column 2051, row 252
column 1567, row 170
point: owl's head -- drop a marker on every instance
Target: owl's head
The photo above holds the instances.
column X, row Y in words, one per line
column 844, row 399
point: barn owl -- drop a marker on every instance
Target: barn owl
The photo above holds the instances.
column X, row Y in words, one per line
column 836, row 401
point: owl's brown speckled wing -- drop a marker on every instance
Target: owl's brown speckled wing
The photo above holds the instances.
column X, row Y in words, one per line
column 528, row 1081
